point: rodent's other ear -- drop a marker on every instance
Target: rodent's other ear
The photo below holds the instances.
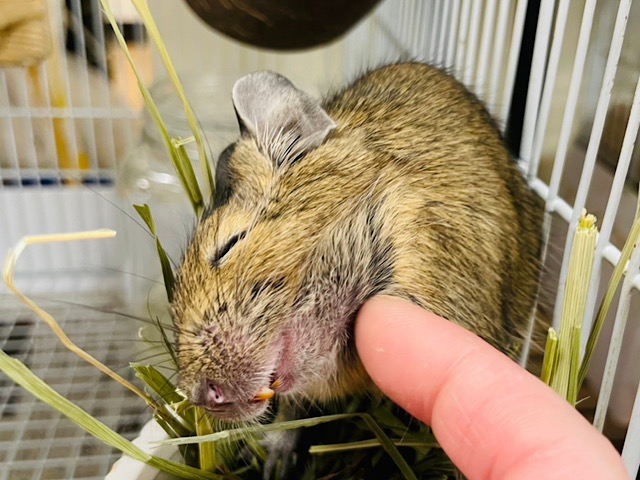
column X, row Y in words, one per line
column 285, row 122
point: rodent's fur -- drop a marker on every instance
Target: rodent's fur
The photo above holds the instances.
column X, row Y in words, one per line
column 413, row 194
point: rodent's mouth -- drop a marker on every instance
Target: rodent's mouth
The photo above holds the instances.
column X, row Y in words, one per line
column 250, row 408
column 238, row 411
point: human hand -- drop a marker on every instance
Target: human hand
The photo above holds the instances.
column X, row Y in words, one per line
column 494, row 419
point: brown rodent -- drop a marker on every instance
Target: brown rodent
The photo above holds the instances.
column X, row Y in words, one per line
column 400, row 185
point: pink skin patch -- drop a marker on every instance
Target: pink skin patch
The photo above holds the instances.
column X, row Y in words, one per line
column 283, row 378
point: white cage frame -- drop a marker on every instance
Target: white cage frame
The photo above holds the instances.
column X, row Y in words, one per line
column 480, row 41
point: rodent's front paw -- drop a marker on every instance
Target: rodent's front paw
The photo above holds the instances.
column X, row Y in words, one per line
column 281, row 455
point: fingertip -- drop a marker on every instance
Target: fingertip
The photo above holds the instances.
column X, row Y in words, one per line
column 491, row 417
column 390, row 338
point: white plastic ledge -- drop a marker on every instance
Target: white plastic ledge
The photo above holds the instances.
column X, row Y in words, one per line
column 126, row 468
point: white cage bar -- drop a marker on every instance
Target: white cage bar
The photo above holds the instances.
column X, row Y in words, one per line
column 67, row 124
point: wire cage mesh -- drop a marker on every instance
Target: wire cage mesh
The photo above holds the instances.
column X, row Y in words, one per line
column 560, row 77
column 37, row 441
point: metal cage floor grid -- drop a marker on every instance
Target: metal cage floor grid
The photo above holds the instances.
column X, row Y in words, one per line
column 37, row 442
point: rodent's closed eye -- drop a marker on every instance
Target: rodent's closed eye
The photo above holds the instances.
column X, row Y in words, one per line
column 220, row 253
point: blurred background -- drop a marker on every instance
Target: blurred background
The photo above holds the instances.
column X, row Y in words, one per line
column 77, row 150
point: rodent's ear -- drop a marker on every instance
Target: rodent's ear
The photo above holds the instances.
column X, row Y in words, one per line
column 285, row 122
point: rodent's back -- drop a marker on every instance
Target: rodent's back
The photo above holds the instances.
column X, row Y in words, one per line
column 464, row 225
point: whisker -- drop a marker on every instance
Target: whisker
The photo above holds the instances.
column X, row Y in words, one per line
column 131, row 274
column 131, row 217
column 110, row 311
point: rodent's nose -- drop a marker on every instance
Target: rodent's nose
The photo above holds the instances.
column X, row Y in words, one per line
column 214, row 394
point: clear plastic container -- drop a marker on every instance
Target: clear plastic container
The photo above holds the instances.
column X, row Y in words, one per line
column 146, row 174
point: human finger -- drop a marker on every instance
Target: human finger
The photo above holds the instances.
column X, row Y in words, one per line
column 494, row 419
